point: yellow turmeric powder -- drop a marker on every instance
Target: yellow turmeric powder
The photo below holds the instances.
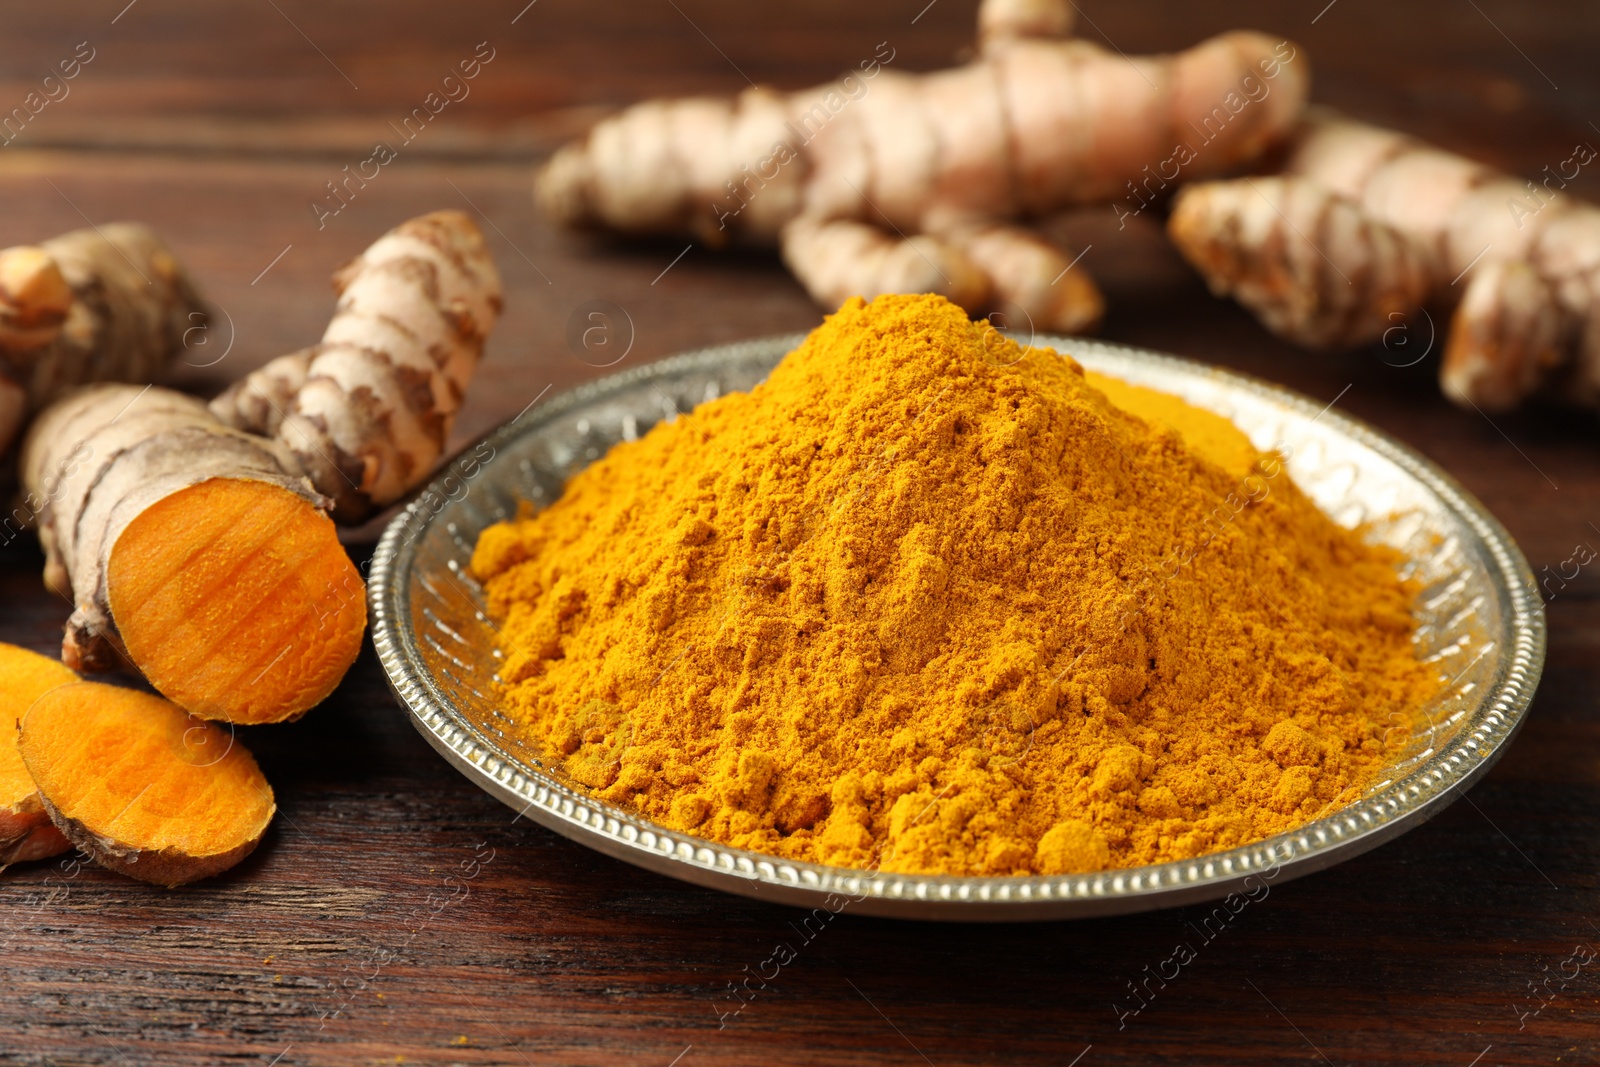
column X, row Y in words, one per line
column 932, row 603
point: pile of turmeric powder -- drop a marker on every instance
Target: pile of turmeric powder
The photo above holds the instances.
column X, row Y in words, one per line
column 928, row 602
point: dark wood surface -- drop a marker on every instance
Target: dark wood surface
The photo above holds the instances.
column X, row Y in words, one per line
column 397, row 914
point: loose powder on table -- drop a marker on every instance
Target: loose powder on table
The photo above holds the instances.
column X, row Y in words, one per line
column 929, row 602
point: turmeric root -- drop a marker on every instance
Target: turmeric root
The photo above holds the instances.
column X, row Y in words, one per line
column 201, row 552
column 1364, row 227
column 107, row 304
column 839, row 176
column 1002, row 21
column 1262, row 255
column 198, row 552
column 26, row 832
column 367, row 412
column 141, row 786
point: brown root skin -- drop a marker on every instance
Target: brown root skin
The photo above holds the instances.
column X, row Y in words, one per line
column 103, row 304
column 26, row 834
column 1001, row 139
column 88, row 648
column 1251, row 240
column 1507, row 335
column 1001, row 22
column 112, row 767
column 889, row 182
column 840, row 259
column 34, row 300
column 1409, row 225
column 1032, row 276
column 984, row 268
column 368, row 410
column 169, row 868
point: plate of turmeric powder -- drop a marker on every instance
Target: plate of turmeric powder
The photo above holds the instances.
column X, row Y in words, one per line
column 907, row 618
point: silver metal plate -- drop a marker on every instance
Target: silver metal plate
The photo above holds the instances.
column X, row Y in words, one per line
column 1481, row 622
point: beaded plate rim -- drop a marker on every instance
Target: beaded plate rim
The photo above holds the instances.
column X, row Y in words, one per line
column 1329, row 839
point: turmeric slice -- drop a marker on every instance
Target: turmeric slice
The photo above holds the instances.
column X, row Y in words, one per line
column 236, row 600
column 141, row 786
column 26, row 832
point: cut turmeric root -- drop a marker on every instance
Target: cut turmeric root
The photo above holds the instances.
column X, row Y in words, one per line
column 141, row 786
column 236, row 600
column 193, row 552
column 26, row 832
column 194, row 539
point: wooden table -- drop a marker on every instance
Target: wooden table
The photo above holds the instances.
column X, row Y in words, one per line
column 220, row 124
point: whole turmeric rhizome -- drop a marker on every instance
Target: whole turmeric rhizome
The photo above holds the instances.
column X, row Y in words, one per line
column 929, row 602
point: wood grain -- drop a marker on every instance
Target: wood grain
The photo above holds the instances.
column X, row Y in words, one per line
column 395, row 913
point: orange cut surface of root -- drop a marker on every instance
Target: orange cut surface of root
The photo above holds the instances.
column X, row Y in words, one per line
column 236, row 600
column 26, row 832
column 141, row 785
